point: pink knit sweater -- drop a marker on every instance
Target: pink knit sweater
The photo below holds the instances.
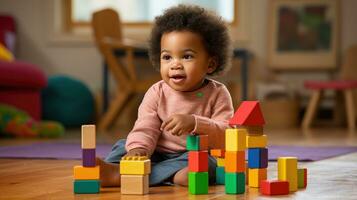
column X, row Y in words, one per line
column 211, row 106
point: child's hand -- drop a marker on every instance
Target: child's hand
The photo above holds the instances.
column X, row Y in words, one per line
column 137, row 152
column 179, row 124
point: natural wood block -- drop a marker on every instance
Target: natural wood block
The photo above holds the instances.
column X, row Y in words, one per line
column 88, row 158
column 220, row 175
column 86, row 186
column 198, row 161
column 235, row 161
column 302, row 178
column 235, row 183
column 287, row 171
column 253, row 130
column 219, row 153
column 135, row 165
column 198, row 182
column 197, row 142
column 220, row 162
column 258, row 158
column 256, row 141
column 134, row 184
column 235, row 140
column 275, row 187
column 246, row 173
column 256, row 176
column 86, row 173
column 88, row 137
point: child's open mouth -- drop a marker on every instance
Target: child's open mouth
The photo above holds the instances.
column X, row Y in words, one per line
column 178, row 78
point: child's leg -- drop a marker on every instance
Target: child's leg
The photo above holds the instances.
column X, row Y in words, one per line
column 180, row 178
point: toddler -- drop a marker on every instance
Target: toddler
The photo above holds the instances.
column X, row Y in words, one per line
column 187, row 44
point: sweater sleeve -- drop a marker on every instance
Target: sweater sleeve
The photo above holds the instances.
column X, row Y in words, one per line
column 146, row 130
column 215, row 126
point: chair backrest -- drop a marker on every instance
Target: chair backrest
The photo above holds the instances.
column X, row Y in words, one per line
column 349, row 64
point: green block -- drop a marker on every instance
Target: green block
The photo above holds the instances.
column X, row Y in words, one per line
column 86, row 186
column 193, row 143
column 220, row 175
column 235, row 183
column 301, row 178
column 198, row 182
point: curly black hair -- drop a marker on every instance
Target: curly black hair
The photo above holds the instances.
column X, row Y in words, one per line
column 192, row 18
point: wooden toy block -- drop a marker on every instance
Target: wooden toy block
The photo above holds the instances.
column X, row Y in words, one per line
column 235, row 140
column 287, row 171
column 253, row 130
column 302, row 178
column 134, row 184
column 246, row 173
column 258, row 158
column 220, row 162
column 88, row 136
column 235, row 161
column 86, row 173
column 220, row 175
column 256, row 176
column 198, row 161
column 198, row 182
column 135, row 165
column 248, row 114
column 218, row 153
column 88, row 157
column 86, row 186
column 256, row 141
column 235, row 183
column 197, row 142
column 275, row 187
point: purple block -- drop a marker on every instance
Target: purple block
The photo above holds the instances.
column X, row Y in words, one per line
column 88, row 157
column 263, row 158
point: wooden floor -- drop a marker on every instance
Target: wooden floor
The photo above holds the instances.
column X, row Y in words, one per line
column 334, row 178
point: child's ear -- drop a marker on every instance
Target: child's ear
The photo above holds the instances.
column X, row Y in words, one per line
column 212, row 65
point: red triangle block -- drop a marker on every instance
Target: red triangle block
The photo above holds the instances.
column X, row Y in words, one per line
column 248, row 114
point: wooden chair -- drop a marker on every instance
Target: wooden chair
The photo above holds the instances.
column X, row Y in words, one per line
column 346, row 85
column 107, row 30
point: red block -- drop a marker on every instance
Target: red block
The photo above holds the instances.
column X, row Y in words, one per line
column 248, row 114
column 274, row 187
column 198, row 161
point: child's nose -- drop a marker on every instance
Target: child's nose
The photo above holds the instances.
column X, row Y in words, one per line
column 176, row 65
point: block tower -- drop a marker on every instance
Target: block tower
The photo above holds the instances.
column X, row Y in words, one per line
column 197, row 145
column 220, row 171
column 86, row 176
column 249, row 118
column 134, row 175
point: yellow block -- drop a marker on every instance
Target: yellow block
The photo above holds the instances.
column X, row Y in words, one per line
column 287, row 171
column 220, row 162
column 235, row 139
column 256, row 141
column 255, row 176
column 86, row 173
column 135, row 165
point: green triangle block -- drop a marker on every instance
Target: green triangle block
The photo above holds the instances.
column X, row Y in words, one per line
column 198, row 182
column 86, row 186
column 235, row 183
column 220, row 175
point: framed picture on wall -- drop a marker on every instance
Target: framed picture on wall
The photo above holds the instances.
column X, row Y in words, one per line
column 303, row 34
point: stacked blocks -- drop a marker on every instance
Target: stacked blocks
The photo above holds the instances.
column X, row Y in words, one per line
column 197, row 145
column 235, row 161
column 134, row 174
column 302, row 177
column 287, row 171
column 86, row 177
column 220, row 171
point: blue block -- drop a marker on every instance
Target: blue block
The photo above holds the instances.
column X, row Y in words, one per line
column 86, row 186
column 257, row 158
column 220, row 175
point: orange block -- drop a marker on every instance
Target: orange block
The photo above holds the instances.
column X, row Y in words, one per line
column 235, row 161
column 217, row 153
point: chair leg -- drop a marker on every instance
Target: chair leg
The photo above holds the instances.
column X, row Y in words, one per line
column 114, row 108
column 311, row 109
column 350, row 109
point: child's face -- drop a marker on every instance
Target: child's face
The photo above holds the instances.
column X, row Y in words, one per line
column 184, row 61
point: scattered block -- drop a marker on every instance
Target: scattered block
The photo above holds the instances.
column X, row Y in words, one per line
column 198, row 161
column 86, row 173
column 218, row 153
column 235, row 183
column 287, row 171
column 256, row 141
column 88, row 137
column 253, row 130
column 198, row 182
column 197, row 142
column 86, row 186
column 258, row 158
column 235, row 139
column 248, row 114
column 135, row 165
column 302, row 178
column 256, row 176
column 235, row 161
column 275, row 187
column 134, row 184
column 220, row 175
column 220, row 162
column 88, row 157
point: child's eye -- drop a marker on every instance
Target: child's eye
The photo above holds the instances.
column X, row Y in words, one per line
column 166, row 57
column 188, row 56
